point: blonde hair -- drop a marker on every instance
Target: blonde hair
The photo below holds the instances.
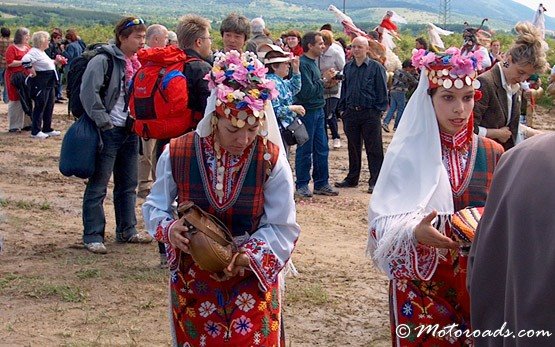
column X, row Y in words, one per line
column 528, row 48
column 190, row 28
column 40, row 37
column 327, row 36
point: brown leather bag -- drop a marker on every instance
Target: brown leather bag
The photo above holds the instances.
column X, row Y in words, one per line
column 210, row 243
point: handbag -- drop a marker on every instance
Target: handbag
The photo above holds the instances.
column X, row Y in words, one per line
column 80, row 146
column 210, row 242
column 295, row 133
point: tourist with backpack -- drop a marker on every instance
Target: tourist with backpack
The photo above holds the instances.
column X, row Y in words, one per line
column 106, row 105
column 156, row 37
column 177, row 105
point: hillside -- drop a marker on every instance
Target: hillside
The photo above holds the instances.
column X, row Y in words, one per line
column 503, row 14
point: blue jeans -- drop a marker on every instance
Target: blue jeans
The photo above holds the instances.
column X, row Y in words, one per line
column 316, row 148
column 120, row 157
column 397, row 104
column 4, row 84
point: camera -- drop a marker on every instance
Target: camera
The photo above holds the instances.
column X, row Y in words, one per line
column 339, row 76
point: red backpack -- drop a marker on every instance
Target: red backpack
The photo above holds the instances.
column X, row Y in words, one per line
column 158, row 95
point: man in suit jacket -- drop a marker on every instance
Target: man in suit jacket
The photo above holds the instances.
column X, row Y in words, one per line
column 497, row 114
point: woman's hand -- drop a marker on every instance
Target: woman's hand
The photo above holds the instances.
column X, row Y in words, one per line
column 295, row 63
column 298, row 109
column 237, row 266
column 239, row 263
column 427, row 235
column 176, row 236
column 502, row 134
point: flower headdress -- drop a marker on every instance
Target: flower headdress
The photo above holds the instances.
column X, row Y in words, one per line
column 450, row 68
column 242, row 89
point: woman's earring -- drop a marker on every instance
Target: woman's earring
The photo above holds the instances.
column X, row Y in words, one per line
column 505, row 64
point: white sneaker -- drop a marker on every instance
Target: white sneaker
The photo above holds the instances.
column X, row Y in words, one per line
column 96, row 247
column 53, row 133
column 40, row 135
column 336, row 143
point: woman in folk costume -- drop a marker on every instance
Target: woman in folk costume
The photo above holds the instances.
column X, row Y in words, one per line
column 434, row 32
column 233, row 167
column 434, row 167
column 539, row 20
column 475, row 40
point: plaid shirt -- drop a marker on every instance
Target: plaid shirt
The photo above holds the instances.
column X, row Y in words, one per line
column 245, row 207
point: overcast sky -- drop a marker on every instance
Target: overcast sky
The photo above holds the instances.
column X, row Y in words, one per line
column 549, row 5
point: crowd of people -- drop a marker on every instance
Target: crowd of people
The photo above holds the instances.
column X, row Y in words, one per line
column 463, row 113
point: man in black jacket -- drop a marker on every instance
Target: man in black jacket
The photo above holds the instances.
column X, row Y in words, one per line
column 363, row 99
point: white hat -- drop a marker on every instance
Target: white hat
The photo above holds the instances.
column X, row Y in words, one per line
column 266, row 48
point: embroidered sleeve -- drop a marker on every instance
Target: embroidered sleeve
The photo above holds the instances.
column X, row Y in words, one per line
column 270, row 247
column 395, row 251
column 158, row 211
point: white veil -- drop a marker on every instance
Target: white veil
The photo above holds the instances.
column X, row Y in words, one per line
column 412, row 182
column 434, row 32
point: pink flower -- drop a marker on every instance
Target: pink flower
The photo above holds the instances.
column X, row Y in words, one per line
column 254, row 104
column 260, row 72
column 452, row 51
column 223, row 91
column 240, row 75
column 429, row 58
column 417, row 58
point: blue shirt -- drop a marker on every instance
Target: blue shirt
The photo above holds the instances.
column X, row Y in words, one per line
column 287, row 89
column 364, row 86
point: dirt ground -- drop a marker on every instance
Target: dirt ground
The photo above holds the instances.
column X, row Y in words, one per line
column 55, row 293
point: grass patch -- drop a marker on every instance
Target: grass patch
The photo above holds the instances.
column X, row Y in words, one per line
column 26, row 205
column 87, row 273
column 6, row 281
column 63, row 292
column 310, row 293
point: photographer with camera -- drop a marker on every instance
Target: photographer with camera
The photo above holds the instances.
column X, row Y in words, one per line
column 332, row 59
column 363, row 99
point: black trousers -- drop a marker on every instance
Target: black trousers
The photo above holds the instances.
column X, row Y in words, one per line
column 363, row 126
column 42, row 111
column 331, row 116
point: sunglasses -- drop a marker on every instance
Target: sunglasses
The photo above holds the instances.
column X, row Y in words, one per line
column 133, row 22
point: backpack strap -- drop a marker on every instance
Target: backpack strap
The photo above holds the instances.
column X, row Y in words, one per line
column 108, row 75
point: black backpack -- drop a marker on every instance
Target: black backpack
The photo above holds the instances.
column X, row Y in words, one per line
column 75, row 77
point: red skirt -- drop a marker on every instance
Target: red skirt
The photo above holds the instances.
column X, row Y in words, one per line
column 236, row 312
column 443, row 300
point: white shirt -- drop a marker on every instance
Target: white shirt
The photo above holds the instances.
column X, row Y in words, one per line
column 40, row 60
column 117, row 115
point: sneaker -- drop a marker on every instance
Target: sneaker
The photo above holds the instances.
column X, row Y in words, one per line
column 96, row 247
column 326, row 190
column 303, row 192
column 336, row 143
column 40, row 135
column 385, row 127
column 137, row 238
column 53, row 133
column 14, row 130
